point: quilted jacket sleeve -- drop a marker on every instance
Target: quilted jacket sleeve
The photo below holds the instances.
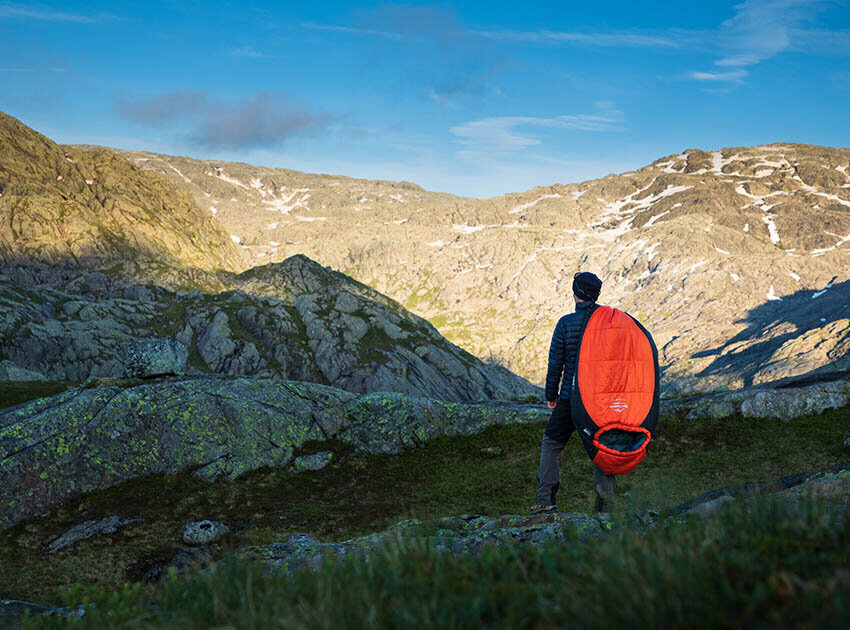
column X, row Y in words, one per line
column 557, row 355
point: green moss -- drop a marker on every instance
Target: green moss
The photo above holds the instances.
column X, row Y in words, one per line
column 439, row 321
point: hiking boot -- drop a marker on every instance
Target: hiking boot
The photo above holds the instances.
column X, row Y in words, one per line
column 603, row 505
column 543, row 509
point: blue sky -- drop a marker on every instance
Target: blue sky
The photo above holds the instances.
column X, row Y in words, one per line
column 473, row 98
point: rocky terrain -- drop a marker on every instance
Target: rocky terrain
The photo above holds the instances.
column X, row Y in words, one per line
column 292, row 320
column 93, row 209
column 469, row 533
column 109, row 431
column 736, row 259
column 93, row 437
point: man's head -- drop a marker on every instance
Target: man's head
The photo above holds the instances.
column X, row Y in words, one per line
column 586, row 286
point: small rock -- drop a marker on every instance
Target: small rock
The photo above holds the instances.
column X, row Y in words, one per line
column 847, row 442
column 88, row 529
column 199, row 533
column 316, row 461
column 492, row 451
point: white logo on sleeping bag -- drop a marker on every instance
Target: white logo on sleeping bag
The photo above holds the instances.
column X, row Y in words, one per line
column 619, row 405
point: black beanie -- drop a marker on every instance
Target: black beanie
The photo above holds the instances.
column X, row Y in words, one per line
column 587, row 286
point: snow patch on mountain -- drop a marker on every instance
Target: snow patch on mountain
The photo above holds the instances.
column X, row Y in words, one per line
column 525, row 206
column 468, row 229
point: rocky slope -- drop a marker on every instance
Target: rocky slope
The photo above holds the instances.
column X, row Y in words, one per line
column 310, row 324
column 94, row 209
column 735, row 259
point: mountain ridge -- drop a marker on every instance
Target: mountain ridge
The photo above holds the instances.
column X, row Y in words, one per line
column 704, row 248
column 725, row 232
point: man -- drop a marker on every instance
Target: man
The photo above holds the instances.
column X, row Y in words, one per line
column 562, row 362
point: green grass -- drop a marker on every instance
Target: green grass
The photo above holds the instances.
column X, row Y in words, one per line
column 359, row 495
column 16, row 392
column 773, row 564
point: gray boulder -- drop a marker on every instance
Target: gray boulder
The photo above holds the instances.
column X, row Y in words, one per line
column 782, row 401
column 199, row 533
column 465, row 534
column 154, row 357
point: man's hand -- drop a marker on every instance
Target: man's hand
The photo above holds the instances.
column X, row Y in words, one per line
column 552, row 403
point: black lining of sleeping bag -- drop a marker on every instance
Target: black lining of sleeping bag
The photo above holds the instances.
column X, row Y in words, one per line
column 622, row 441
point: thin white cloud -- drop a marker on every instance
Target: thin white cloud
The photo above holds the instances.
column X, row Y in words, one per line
column 246, row 52
column 760, row 30
column 614, row 39
column 501, row 135
column 10, row 10
column 350, row 29
column 622, row 38
column 733, row 76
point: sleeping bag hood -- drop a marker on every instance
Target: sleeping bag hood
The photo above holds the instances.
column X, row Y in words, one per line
column 615, row 390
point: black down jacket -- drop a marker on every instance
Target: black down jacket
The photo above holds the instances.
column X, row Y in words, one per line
column 562, row 352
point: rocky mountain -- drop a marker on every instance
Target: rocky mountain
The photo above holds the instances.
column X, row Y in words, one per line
column 735, row 259
column 93, row 209
column 292, row 320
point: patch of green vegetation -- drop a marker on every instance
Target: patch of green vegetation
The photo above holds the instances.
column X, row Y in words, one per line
column 531, row 398
column 427, row 297
column 376, row 346
column 16, row 392
column 439, row 321
column 356, row 495
column 771, row 564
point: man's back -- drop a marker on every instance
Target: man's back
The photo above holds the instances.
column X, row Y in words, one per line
column 562, row 352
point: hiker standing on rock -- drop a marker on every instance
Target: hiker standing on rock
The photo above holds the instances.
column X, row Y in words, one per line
column 562, row 362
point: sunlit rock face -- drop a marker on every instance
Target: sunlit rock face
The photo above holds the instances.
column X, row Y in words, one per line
column 736, row 260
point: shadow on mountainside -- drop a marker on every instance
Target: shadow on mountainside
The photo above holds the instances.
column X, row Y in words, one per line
column 780, row 323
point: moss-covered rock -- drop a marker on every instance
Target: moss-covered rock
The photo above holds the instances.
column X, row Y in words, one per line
column 89, row 438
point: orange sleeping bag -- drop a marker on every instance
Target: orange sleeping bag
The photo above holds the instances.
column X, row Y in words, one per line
column 615, row 390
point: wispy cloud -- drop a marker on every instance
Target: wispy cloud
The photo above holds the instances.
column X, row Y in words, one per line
column 613, row 39
column 401, row 22
column 245, row 52
column 260, row 120
column 448, row 92
column 36, row 12
column 502, row 135
column 760, row 30
column 350, row 30
column 733, row 76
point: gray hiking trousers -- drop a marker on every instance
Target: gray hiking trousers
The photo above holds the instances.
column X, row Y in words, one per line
column 549, row 473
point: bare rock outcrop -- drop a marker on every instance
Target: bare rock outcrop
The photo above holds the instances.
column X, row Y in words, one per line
column 319, row 326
